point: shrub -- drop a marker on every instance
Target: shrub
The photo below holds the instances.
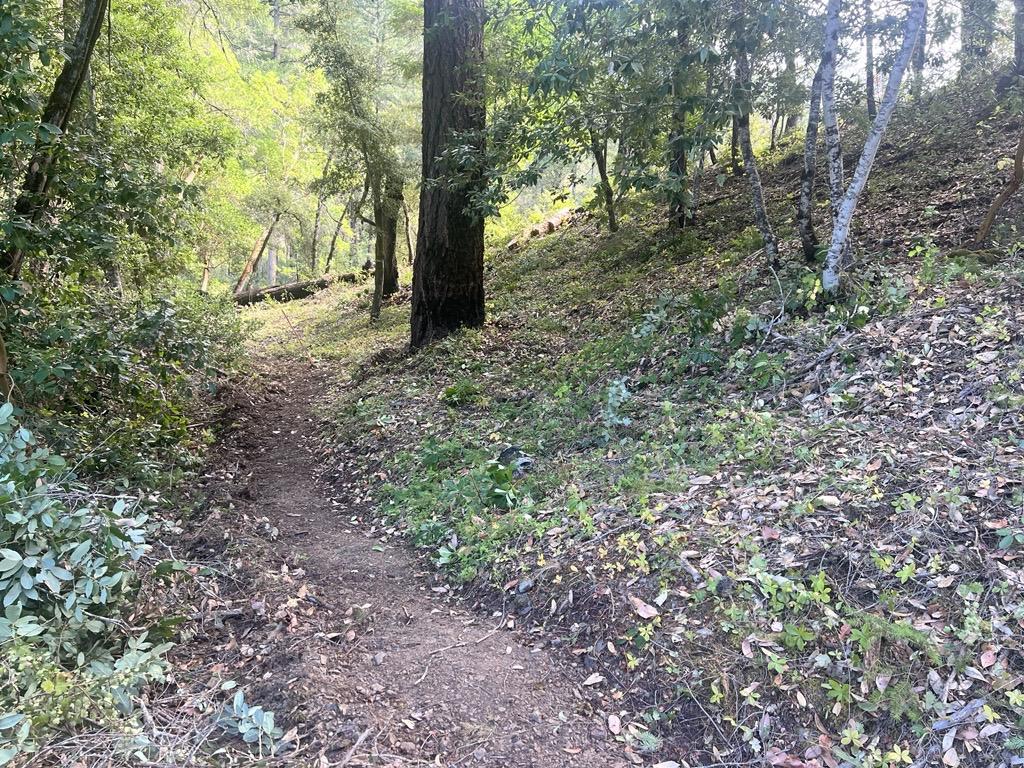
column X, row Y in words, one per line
column 66, row 558
column 115, row 383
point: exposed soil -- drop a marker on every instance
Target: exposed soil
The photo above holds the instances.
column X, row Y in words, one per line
column 347, row 637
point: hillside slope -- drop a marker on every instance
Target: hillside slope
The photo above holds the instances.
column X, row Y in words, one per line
column 768, row 531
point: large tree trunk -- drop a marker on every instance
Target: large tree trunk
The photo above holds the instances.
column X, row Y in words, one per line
column 805, row 208
column 869, row 63
column 448, row 274
column 761, row 220
column 1011, row 186
column 678, row 146
column 841, row 232
column 33, row 200
column 599, row 148
column 254, row 258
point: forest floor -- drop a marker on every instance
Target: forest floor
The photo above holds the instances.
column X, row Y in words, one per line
column 348, row 635
column 757, row 529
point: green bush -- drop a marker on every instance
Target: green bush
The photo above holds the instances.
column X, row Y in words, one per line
column 115, row 383
column 66, row 577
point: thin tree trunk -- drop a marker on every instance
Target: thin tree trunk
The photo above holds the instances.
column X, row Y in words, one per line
column 921, row 49
column 1018, row 37
column 869, row 64
column 833, row 141
column 408, row 230
column 1007, row 191
column 764, row 226
column 678, row 147
column 378, row 252
column 392, row 206
column 254, row 258
column 805, row 208
column 33, row 199
column 6, row 382
column 204, row 284
column 734, row 149
column 448, row 273
column 599, row 148
column 321, row 201
column 841, row 232
column 334, row 244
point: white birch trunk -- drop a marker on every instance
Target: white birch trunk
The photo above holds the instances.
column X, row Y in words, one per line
column 841, row 232
column 833, row 142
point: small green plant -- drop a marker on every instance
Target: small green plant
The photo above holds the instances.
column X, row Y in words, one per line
column 462, row 392
column 253, row 724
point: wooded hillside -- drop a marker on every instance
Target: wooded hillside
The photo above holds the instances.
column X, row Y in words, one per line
column 591, row 383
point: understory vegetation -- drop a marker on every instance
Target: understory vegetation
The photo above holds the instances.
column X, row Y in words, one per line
column 775, row 529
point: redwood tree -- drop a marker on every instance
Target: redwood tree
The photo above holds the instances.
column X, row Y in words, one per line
column 448, row 273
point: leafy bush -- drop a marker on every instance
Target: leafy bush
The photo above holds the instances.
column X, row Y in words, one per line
column 66, row 577
column 115, row 383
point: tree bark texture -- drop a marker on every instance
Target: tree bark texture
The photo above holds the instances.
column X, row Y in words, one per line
column 833, row 140
column 805, row 208
column 678, row 145
column 599, row 148
column 448, row 284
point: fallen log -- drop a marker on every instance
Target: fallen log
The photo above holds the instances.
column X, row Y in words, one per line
column 289, row 291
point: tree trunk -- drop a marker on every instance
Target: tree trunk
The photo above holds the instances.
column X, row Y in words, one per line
column 833, row 141
column 841, row 231
column 408, row 230
column 678, row 146
column 1018, row 37
column 764, row 226
column 599, row 148
column 204, row 284
column 734, row 149
column 334, row 244
column 389, row 229
column 804, row 216
column 378, row 251
column 919, row 54
column 270, row 268
column 1011, row 186
column 32, row 201
column 321, row 201
column 448, row 274
column 254, row 258
column 869, row 63
column 6, row 382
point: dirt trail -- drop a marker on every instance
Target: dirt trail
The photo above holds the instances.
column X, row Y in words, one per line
column 411, row 678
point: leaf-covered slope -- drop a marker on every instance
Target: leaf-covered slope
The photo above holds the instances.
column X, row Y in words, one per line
column 768, row 529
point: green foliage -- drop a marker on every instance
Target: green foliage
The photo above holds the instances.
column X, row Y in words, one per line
column 66, row 575
column 114, row 383
column 255, row 725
